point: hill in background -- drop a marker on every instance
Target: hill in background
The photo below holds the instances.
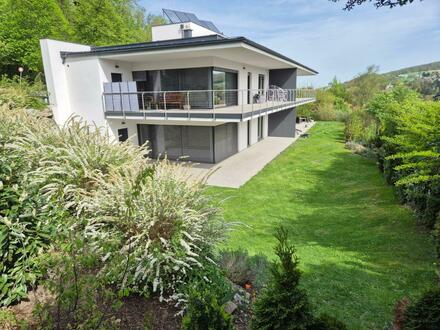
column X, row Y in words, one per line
column 434, row 66
column 424, row 78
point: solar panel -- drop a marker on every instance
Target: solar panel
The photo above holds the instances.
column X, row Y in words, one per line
column 176, row 16
column 210, row 26
column 171, row 16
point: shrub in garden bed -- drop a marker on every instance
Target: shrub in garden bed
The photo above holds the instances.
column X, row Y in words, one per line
column 425, row 313
column 207, row 294
column 242, row 269
column 283, row 304
column 150, row 228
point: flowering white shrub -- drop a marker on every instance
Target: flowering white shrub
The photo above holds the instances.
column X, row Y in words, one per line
column 150, row 225
column 163, row 223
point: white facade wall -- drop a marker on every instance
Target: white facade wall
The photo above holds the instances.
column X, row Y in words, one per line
column 110, row 66
column 56, row 79
column 253, row 136
column 85, row 77
column 242, row 135
column 174, row 31
column 265, row 126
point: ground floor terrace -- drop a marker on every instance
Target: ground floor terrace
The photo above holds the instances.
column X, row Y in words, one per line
column 204, row 141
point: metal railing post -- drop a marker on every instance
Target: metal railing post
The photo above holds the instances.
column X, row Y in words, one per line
column 165, row 104
column 187, row 104
column 213, row 105
column 242, row 103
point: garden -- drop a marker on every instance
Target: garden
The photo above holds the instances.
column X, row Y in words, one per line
column 94, row 235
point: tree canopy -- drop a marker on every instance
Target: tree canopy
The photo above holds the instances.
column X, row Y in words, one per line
column 350, row 4
column 96, row 22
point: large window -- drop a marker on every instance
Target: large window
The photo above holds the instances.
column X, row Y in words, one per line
column 261, row 84
column 225, row 87
column 197, row 83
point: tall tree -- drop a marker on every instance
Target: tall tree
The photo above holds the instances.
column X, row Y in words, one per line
column 365, row 85
column 350, row 4
column 22, row 24
column 94, row 22
column 103, row 22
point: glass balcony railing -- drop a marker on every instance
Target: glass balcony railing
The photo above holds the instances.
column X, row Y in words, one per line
column 233, row 101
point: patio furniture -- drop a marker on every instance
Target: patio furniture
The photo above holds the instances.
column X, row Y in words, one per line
column 172, row 98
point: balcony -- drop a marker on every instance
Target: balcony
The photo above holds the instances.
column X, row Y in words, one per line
column 200, row 105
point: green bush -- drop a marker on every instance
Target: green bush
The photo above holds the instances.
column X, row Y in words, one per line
column 243, row 269
column 25, row 232
column 283, row 305
column 16, row 95
column 327, row 107
column 206, row 293
column 361, row 127
column 204, row 310
column 425, row 313
column 82, row 300
column 403, row 128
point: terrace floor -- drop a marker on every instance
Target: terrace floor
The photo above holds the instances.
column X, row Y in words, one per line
column 236, row 170
column 236, row 112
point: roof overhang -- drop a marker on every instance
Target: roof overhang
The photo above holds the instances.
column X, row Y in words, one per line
column 240, row 50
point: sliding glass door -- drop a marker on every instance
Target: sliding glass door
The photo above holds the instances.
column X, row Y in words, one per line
column 225, row 87
column 201, row 88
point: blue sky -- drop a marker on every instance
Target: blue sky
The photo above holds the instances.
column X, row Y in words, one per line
column 319, row 34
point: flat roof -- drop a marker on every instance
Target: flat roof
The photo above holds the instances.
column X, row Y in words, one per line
column 179, row 43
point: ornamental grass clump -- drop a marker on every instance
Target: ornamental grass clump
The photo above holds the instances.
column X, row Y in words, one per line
column 150, row 225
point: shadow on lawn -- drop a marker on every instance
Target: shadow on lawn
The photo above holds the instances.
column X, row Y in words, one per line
column 377, row 254
column 359, row 249
column 356, row 214
column 354, row 210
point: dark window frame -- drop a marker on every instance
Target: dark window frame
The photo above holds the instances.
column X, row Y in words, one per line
column 116, row 76
column 122, row 134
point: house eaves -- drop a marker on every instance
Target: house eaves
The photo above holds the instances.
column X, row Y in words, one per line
column 181, row 43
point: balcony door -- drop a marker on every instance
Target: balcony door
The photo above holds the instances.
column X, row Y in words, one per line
column 224, row 85
column 261, row 84
column 249, row 87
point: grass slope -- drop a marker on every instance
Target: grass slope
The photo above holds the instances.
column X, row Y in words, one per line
column 360, row 250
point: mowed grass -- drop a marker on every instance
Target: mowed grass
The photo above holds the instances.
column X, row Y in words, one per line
column 360, row 251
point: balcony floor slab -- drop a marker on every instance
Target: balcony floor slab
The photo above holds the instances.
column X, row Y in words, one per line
column 235, row 113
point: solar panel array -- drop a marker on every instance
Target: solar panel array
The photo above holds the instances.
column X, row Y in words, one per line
column 176, row 16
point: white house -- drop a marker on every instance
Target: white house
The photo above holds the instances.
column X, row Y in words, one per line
column 190, row 92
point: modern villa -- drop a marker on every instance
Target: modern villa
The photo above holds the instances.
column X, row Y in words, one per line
column 191, row 92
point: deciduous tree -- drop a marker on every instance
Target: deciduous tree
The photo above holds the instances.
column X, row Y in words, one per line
column 350, row 4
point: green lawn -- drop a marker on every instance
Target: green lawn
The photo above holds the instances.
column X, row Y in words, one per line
column 359, row 249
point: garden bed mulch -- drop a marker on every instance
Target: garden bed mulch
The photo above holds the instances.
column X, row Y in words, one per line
column 141, row 313
column 135, row 313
